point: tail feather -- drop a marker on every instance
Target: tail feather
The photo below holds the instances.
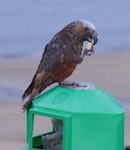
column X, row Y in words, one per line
column 27, row 92
column 28, row 103
column 33, row 91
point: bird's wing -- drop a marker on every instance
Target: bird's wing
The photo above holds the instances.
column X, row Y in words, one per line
column 52, row 58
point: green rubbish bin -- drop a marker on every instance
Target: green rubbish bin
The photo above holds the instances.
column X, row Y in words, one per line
column 92, row 118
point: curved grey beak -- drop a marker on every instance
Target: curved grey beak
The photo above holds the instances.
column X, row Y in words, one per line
column 93, row 38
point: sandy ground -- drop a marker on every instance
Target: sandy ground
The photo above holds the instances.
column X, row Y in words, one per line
column 110, row 72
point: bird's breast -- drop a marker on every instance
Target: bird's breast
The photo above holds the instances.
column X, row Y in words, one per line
column 63, row 71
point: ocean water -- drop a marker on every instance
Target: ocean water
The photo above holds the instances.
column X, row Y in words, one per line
column 26, row 26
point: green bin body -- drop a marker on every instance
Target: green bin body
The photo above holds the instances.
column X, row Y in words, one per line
column 92, row 118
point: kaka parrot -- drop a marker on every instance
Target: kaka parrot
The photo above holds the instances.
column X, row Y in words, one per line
column 61, row 56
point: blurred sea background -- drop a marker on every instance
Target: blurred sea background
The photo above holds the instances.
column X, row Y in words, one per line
column 26, row 26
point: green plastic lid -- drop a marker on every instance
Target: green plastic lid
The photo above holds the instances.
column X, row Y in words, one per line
column 84, row 99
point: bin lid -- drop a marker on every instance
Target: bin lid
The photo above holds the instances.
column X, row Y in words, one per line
column 87, row 98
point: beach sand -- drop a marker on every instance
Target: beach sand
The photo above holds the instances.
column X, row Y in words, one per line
column 111, row 72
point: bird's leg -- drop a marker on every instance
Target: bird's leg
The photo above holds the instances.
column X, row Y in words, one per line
column 69, row 84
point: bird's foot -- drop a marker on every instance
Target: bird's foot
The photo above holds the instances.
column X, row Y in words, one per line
column 87, row 51
column 69, row 84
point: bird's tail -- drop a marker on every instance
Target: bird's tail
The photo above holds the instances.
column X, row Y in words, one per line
column 28, row 91
column 33, row 92
column 26, row 94
column 28, row 103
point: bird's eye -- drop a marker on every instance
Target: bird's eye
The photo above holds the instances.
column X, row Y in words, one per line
column 86, row 28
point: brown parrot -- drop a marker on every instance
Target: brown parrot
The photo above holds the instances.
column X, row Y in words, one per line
column 61, row 56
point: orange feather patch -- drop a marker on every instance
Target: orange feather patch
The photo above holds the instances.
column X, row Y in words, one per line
column 79, row 28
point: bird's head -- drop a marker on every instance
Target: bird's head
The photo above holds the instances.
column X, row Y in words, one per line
column 80, row 31
column 86, row 31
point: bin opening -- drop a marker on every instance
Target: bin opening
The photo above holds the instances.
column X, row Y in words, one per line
column 49, row 139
